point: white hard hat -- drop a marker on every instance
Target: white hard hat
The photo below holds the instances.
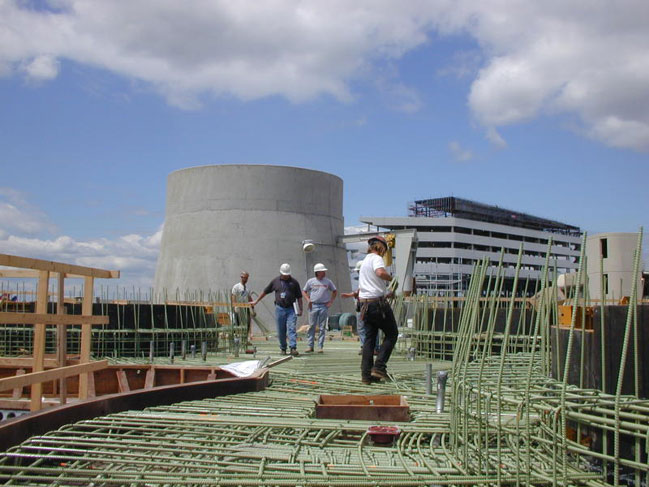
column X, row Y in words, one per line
column 319, row 268
column 358, row 266
column 285, row 270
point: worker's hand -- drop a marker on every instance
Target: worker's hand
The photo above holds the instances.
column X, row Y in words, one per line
column 310, row 305
column 329, row 303
column 299, row 313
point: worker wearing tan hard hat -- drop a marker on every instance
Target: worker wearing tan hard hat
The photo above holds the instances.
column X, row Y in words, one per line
column 319, row 293
column 376, row 312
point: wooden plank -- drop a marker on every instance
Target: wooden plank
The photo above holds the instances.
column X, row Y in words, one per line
column 48, row 375
column 122, row 381
column 26, row 362
column 23, row 403
column 61, row 337
column 18, row 391
column 9, row 318
column 86, row 333
column 39, row 340
column 50, row 266
column 150, row 378
column 27, row 273
column 91, row 385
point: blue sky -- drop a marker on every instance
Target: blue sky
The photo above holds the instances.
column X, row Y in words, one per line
column 541, row 107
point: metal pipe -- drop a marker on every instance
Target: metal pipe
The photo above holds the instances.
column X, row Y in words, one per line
column 442, row 376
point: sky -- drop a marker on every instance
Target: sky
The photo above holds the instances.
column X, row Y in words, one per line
column 539, row 107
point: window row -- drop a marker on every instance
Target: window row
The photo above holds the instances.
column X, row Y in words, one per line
column 487, row 233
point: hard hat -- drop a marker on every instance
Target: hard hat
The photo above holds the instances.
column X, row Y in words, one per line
column 378, row 238
column 359, row 264
column 319, row 268
column 285, row 270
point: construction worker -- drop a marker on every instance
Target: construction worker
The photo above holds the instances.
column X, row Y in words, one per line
column 241, row 294
column 376, row 311
column 319, row 293
column 287, row 292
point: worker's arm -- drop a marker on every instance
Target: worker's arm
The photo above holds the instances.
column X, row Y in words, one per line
column 259, row 298
column 306, row 297
column 349, row 295
column 383, row 274
column 333, row 296
column 299, row 304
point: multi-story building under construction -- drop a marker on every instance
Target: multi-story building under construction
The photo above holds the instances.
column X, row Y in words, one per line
column 454, row 234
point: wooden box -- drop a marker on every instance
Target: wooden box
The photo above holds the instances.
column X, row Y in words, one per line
column 363, row 407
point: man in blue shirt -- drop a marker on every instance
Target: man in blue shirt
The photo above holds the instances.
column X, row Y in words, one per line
column 287, row 292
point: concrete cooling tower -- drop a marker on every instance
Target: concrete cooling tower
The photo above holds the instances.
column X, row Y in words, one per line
column 223, row 219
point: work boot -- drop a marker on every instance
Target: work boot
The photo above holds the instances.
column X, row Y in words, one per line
column 282, row 352
column 320, row 350
column 379, row 374
column 294, row 352
column 310, row 350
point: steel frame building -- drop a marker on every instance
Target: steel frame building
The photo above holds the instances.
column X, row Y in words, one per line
column 454, row 234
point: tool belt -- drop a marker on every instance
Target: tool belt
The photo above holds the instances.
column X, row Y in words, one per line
column 365, row 303
column 371, row 300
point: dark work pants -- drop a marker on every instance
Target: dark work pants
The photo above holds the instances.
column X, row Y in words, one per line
column 378, row 316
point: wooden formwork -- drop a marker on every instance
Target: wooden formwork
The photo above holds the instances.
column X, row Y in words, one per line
column 42, row 270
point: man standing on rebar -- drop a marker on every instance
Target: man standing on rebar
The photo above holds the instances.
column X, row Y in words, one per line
column 376, row 311
column 319, row 293
column 241, row 294
column 287, row 292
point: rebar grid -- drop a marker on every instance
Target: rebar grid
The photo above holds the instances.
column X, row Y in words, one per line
column 264, row 438
column 511, row 418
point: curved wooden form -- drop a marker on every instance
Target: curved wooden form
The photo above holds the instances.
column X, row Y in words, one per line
column 15, row 431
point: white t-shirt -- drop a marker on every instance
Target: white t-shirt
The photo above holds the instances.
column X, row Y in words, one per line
column 240, row 292
column 319, row 290
column 369, row 284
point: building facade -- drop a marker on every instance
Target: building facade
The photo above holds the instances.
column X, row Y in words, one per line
column 454, row 234
column 610, row 262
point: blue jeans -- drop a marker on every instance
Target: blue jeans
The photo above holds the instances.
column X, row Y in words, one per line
column 318, row 317
column 286, row 321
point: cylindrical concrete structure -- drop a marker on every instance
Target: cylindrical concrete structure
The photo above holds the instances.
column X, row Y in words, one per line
column 616, row 251
column 223, row 219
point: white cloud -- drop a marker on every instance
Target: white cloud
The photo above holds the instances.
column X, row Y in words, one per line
column 18, row 215
column 134, row 255
column 42, row 68
column 22, row 226
column 581, row 58
column 459, row 153
column 297, row 49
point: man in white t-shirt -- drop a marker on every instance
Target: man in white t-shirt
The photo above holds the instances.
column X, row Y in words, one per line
column 241, row 294
column 376, row 311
